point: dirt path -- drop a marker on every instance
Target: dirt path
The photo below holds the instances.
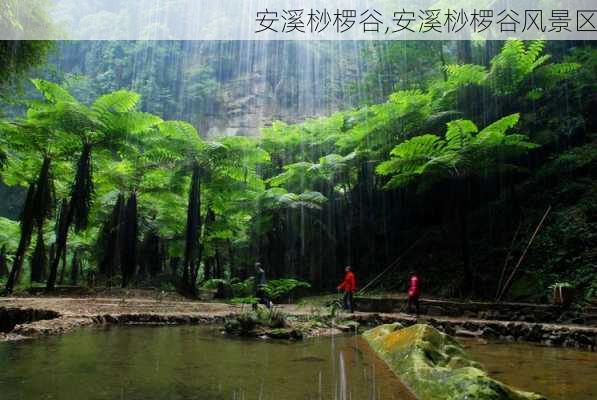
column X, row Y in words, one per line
column 43, row 316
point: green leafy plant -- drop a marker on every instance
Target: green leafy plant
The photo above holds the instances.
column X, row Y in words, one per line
column 279, row 288
column 463, row 152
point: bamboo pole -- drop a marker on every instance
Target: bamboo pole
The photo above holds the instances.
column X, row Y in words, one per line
column 392, row 265
column 523, row 254
column 506, row 261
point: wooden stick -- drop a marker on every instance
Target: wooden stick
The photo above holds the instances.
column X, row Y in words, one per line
column 506, row 261
column 523, row 254
column 392, row 265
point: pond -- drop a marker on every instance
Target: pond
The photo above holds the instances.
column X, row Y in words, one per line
column 198, row 363
column 558, row 373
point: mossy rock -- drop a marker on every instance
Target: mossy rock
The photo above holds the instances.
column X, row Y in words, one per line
column 284, row 333
column 435, row 366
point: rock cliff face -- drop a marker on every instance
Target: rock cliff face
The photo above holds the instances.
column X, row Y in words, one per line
column 435, row 366
column 247, row 104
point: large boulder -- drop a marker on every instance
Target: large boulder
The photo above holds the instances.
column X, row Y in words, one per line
column 435, row 366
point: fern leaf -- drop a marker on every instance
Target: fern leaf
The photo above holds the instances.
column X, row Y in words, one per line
column 460, row 134
column 120, row 101
column 53, row 92
column 495, row 132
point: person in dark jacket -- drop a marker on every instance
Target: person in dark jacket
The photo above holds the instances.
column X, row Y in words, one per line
column 260, row 282
column 349, row 286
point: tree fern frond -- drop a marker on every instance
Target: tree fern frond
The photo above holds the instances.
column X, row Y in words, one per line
column 161, row 156
column 495, row 132
column 460, row 134
column 131, row 122
column 465, row 74
column 53, row 92
column 120, row 101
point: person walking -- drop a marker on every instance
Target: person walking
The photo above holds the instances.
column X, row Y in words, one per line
column 414, row 292
column 260, row 282
column 349, row 286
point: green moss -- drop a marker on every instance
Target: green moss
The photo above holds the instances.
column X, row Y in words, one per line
column 435, row 366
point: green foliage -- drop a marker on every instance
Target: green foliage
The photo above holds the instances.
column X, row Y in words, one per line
column 519, row 69
column 246, row 322
column 278, row 198
column 465, row 74
column 299, row 185
column 515, row 63
column 243, row 289
column 214, row 283
column 9, row 234
column 464, row 151
column 280, row 288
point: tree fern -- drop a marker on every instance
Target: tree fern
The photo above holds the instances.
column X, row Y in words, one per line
column 463, row 152
column 460, row 134
column 465, row 74
column 52, row 92
column 121, row 101
column 495, row 132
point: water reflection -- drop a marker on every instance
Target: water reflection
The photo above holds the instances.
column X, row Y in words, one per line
column 557, row 373
column 184, row 363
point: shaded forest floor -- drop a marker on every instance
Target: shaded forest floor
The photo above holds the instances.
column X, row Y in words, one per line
column 45, row 316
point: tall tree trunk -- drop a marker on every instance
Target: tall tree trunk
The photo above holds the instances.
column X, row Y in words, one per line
column 210, row 263
column 74, row 270
column 111, row 235
column 464, row 51
column 492, row 48
column 27, row 223
column 63, row 224
column 39, row 260
column 3, row 268
column 152, row 253
column 219, row 266
column 37, row 207
column 193, row 230
column 77, row 209
column 63, row 268
column 442, row 58
column 129, row 241
column 82, row 190
column 231, row 262
column 51, row 253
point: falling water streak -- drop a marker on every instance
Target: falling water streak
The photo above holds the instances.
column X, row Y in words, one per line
column 333, row 361
column 320, row 385
column 342, row 381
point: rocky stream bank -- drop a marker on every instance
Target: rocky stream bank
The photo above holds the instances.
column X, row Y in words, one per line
column 23, row 318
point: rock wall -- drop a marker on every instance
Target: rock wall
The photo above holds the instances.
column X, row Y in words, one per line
column 580, row 337
column 527, row 312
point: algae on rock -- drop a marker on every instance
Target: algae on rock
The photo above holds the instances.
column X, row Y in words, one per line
column 435, row 366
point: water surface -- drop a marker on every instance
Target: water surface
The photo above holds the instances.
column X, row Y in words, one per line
column 558, row 373
column 199, row 363
column 184, row 363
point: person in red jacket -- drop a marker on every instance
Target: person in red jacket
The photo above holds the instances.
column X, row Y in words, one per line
column 349, row 286
column 414, row 291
